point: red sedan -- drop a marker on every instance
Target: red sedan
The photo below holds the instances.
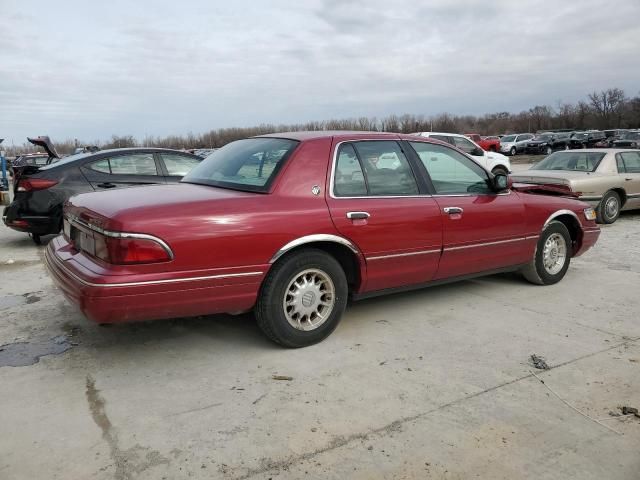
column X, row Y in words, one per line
column 291, row 225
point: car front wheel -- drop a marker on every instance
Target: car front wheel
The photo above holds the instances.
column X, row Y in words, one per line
column 608, row 209
column 302, row 299
column 552, row 256
column 548, row 150
column 513, row 151
column 500, row 170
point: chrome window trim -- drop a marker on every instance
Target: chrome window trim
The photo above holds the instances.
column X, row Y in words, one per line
column 108, row 233
column 395, row 255
column 52, row 257
column 318, row 237
column 333, row 171
column 557, row 213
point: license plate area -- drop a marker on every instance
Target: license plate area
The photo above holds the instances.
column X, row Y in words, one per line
column 82, row 240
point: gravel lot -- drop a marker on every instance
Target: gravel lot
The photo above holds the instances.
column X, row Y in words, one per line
column 430, row 384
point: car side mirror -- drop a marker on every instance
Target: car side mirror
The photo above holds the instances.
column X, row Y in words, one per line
column 501, row 182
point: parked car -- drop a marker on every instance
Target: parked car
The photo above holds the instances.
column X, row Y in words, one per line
column 514, row 144
column 607, row 179
column 203, row 152
column 547, row 143
column 41, row 190
column 492, row 161
column 587, row 139
column 291, row 225
column 486, row 143
column 630, row 139
column 49, row 155
column 86, row 149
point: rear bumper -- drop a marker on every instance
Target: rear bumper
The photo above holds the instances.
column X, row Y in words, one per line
column 38, row 224
column 106, row 299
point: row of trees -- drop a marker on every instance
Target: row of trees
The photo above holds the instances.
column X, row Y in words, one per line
column 600, row 110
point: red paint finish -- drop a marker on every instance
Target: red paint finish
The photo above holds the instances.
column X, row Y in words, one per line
column 224, row 241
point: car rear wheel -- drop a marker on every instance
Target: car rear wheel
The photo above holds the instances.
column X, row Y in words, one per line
column 552, row 256
column 499, row 170
column 302, row 299
column 513, row 151
column 608, row 209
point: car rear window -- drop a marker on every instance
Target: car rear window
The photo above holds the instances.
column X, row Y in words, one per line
column 251, row 164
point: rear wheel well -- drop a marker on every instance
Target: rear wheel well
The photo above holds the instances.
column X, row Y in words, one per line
column 347, row 259
column 622, row 194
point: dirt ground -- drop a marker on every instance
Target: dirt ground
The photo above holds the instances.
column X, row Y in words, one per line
column 436, row 383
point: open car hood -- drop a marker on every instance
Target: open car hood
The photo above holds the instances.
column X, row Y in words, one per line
column 46, row 143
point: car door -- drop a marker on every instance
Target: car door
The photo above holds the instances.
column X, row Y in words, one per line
column 482, row 230
column 123, row 170
column 629, row 168
column 176, row 165
column 377, row 201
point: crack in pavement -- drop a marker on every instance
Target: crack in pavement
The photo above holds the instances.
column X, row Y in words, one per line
column 396, row 425
column 127, row 462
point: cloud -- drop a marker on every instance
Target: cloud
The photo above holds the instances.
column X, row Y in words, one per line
column 89, row 70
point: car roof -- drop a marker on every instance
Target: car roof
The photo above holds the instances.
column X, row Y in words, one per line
column 309, row 135
column 599, row 150
column 441, row 133
column 105, row 153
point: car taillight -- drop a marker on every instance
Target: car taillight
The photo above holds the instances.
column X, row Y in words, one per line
column 31, row 184
column 129, row 250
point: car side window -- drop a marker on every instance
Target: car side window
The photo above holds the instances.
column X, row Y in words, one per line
column 101, row 166
column 178, row 165
column 386, row 169
column 349, row 179
column 373, row 168
column 464, row 145
column 133, row 164
column 631, row 162
column 451, row 172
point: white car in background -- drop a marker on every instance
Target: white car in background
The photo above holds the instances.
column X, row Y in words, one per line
column 514, row 144
column 495, row 162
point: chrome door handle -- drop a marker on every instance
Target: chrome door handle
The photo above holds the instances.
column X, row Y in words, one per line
column 358, row 215
column 452, row 210
column 628, row 179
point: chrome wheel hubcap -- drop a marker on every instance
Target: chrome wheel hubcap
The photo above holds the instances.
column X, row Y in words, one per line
column 309, row 299
column 611, row 207
column 554, row 253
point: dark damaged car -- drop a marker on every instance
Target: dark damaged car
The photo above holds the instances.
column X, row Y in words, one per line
column 41, row 190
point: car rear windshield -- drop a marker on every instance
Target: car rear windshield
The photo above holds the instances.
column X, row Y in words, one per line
column 508, row 138
column 574, row 161
column 251, row 164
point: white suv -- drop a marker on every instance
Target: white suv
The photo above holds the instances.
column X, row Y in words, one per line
column 495, row 162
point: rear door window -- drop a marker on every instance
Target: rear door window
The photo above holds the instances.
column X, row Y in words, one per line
column 373, row 168
column 464, row 145
column 630, row 162
column 133, row 164
column 178, row 165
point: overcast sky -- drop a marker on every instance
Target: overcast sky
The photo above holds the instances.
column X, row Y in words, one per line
column 79, row 69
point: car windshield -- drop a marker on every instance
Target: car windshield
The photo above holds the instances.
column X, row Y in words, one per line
column 508, row 138
column 573, row 161
column 544, row 136
column 251, row 164
column 579, row 136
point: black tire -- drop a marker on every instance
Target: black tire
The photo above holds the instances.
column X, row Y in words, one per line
column 269, row 310
column 36, row 239
column 548, row 150
column 536, row 272
column 609, row 207
column 513, row 152
column 498, row 170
